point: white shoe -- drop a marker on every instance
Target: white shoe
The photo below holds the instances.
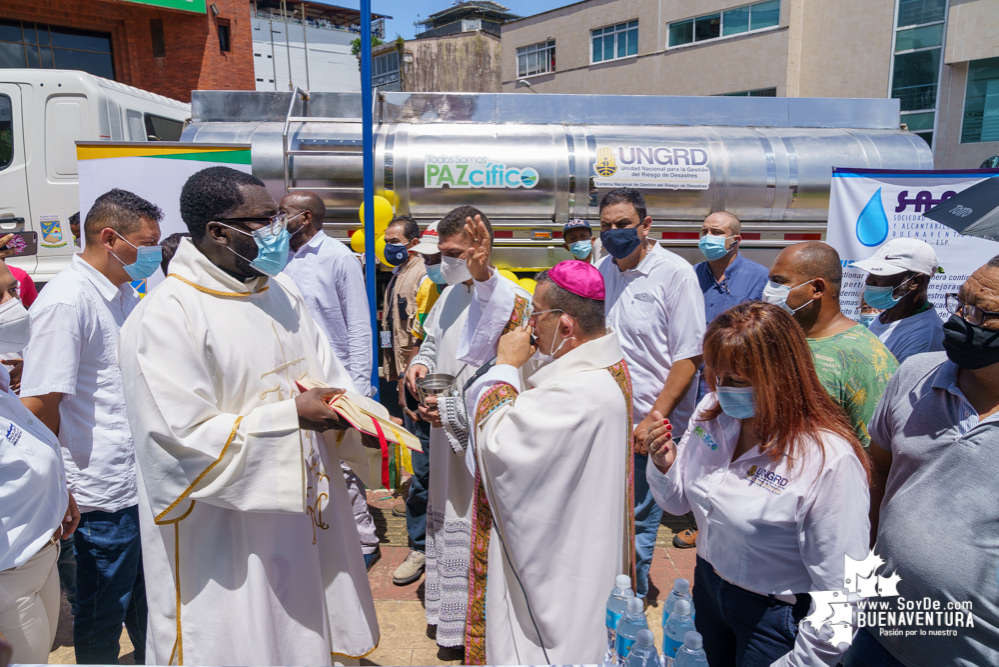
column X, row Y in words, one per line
column 411, row 569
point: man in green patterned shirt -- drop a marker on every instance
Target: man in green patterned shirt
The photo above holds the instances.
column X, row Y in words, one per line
column 852, row 364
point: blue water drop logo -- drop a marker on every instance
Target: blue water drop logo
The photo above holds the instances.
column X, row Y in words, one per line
column 872, row 225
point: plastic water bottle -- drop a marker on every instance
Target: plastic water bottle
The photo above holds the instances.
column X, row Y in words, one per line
column 677, row 626
column 691, row 654
column 631, row 622
column 681, row 591
column 617, row 604
column 643, row 653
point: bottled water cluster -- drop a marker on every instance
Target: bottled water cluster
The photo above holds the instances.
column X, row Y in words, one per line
column 630, row 643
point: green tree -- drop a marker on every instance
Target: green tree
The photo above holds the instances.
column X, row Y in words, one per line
column 355, row 47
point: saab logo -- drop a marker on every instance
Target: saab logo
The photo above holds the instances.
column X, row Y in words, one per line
column 705, row 437
column 605, row 166
column 922, row 202
column 471, row 172
column 961, row 211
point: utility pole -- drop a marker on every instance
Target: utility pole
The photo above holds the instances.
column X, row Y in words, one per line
column 367, row 135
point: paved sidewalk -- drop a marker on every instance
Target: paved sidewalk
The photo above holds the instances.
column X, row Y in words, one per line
column 405, row 637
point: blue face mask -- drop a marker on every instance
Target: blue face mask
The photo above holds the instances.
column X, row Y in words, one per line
column 434, row 273
column 147, row 260
column 737, row 402
column 867, row 318
column 581, row 249
column 713, row 247
column 272, row 249
column 620, row 242
column 395, row 253
column 883, row 298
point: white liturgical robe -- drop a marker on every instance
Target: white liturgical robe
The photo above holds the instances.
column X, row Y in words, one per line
column 250, row 550
column 554, row 462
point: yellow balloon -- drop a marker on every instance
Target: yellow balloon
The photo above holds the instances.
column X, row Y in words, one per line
column 509, row 274
column 528, row 283
column 392, row 197
column 357, row 240
column 383, row 214
column 380, row 250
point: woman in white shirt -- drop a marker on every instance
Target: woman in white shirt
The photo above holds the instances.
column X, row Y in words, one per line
column 778, row 484
column 36, row 509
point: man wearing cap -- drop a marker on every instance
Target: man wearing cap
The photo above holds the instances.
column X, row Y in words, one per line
column 898, row 276
column 415, row 507
column 552, row 456
column 577, row 237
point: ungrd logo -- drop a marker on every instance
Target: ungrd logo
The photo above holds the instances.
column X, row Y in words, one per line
column 473, row 174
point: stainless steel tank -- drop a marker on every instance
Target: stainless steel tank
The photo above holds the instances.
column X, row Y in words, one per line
column 531, row 162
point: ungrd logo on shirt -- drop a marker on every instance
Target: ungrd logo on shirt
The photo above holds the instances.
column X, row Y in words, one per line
column 766, row 479
column 13, row 435
column 705, row 437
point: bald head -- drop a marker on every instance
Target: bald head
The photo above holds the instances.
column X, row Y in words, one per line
column 810, row 260
column 305, row 211
column 724, row 219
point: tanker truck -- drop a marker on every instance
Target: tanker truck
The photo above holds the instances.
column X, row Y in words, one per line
column 532, row 162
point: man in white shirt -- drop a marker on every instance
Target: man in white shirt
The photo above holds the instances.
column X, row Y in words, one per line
column 72, row 382
column 655, row 304
column 36, row 509
column 330, row 279
column 898, row 276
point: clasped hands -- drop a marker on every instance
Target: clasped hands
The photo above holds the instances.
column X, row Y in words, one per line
column 657, row 439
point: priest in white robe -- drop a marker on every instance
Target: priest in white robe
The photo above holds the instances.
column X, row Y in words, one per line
column 449, row 507
column 250, row 550
column 553, row 519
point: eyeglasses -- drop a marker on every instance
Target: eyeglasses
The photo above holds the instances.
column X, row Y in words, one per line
column 966, row 311
column 277, row 222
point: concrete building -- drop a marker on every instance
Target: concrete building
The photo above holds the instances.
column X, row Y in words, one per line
column 168, row 47
column 940, row 58
column 456, row 50
column 307, row 44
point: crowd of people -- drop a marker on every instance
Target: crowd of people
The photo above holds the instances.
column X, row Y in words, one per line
column 166, row 460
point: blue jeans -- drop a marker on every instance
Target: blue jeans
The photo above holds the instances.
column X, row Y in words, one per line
column 647, row 518
column 741, row 628
column 109, row 586
column 866, row 651
column 419, row 486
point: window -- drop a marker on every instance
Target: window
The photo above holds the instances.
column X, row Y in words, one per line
column 616, row 41
column 758, row 16
column 159, row 40
column 916, row 12
column 6, row 132
column 163, row 129
column 385, row 68
column 225, row 45
column 536, row 59
column 915, row 79
column 761, row 92
column 36, row 45
column 981, row 102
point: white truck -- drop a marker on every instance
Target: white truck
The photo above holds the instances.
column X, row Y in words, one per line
column 43, row 113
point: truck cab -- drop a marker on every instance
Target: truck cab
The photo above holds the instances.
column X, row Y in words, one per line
column 43, row 113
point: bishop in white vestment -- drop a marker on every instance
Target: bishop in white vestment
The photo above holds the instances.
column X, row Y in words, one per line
column 553, row 516
column 250, row 550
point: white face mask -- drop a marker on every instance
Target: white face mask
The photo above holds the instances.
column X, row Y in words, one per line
column 15, row 327
column 776, row 294
column 454, row 270
column 550, row 357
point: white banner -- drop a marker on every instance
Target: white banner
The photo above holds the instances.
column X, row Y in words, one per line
column 868, row 207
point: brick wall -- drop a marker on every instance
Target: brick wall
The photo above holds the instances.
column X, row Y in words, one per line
column 193, row 59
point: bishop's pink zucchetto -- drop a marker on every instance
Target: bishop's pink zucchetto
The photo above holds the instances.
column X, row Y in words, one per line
column 581, row 278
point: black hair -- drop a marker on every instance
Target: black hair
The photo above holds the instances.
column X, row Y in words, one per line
column 170, row 245
column 588, row 312
column 410, row 229
column 209, row 195
column 993, row 263
column 75, row 218
column 625, row 195
column 121, row 211
column 454, row 222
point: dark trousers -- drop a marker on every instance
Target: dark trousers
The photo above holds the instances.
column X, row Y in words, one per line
column 741, row 628
column 419, row 484
column 109, row 586
column 866, row 651
column 67, row 571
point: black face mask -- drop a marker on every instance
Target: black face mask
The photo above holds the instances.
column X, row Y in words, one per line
column 620, row 242
column 969, row 346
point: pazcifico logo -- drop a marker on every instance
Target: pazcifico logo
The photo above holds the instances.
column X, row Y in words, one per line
column 475, row 172
column 894, row 618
